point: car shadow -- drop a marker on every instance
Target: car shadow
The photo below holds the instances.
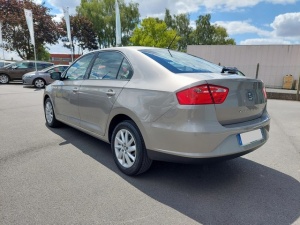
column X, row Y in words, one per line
column 238, row 191
column 33, row 87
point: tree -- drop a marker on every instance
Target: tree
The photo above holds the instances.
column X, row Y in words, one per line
column 82, row 32
column 204, row 31
column 42, row 54
column 155, row 33
column 207, row 34
column 169, row 20
column 220, row 36
column 102, row 15
column 184, row 30
column 15, row 30
column 180, row 23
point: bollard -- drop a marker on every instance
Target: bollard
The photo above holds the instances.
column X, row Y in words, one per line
column 257, row 69
column 298, row 87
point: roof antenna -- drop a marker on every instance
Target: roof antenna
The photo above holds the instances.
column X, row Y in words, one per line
column 171, row 44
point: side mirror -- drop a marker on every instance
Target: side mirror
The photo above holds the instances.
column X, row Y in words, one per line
column 55, row 75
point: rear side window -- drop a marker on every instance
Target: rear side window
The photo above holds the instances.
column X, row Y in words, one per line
column 43, row 65
column 110, row 65
column 179, row 62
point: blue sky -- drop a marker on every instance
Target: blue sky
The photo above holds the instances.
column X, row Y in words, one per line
column 249, row 22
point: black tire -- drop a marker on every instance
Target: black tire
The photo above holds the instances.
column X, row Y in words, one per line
column 39, row 83
column 4, row 79
column 126, row 137
column 51, row 120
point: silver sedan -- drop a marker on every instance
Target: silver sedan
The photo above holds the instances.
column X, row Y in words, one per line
column 42, row 77
column 157, row 104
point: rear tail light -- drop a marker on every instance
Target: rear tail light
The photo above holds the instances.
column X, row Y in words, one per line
column 265, row 93
column 202, row 94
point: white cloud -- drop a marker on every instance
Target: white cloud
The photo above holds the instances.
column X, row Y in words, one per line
column 38, row 1
column 157, row 7
column 286, row 30
column 58, row 17
column 287, row 25
column 10, row 55
column 265, row 41
column 242, row 27
column 72, row 4
column 57, row 48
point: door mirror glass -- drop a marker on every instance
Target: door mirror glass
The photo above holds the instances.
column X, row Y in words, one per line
column 55, row 75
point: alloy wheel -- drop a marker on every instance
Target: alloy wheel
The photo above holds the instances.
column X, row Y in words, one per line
column 125, row 148
column 49, row 112
column 3, row 79
column 39, row 83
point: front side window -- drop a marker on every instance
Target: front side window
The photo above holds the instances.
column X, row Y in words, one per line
column 179, row 62
column 77, row 70
column 106, row 65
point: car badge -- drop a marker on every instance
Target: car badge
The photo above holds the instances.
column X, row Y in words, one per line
column 250, row 96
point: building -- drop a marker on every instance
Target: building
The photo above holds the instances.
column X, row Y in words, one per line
column 64, row 59
column 269, row 63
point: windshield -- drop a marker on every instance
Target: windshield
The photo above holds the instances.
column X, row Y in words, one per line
column 179, row 62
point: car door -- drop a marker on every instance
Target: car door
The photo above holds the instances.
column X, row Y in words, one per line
column 99, row 92
column 19, row 69
column 66, row 91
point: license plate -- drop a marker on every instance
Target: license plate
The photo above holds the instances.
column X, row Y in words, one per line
column 250, row 137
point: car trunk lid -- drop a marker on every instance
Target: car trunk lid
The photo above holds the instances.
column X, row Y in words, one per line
column 246, row 100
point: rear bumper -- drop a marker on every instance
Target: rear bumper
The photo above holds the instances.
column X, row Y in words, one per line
column 206, row 140
column 159, row 156
column 27, row 81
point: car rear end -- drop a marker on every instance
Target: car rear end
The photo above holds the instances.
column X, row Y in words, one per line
column 214, row 116
column 28, row 78
column 218, row 118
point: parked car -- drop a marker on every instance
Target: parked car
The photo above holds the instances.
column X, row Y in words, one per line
column 157, row 104
column 4, row 63
column 41, row 78
column 16, row 70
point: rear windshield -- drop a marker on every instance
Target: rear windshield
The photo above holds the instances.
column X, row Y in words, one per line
column 179, row 62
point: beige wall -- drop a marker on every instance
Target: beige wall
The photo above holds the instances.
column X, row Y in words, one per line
column 275, row 61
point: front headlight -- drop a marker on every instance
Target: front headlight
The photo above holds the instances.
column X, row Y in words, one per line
column 28, row 76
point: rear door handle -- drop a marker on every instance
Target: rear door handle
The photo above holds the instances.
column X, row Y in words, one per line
column 110, row 92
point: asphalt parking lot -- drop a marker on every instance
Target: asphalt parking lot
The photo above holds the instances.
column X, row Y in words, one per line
column 63, row 176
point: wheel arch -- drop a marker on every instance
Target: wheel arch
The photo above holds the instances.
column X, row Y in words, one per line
column 45, row 98
column 122, row 117
column 115, row 121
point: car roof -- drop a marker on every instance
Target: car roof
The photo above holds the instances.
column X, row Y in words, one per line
column 35, row 61
column 133, row 48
